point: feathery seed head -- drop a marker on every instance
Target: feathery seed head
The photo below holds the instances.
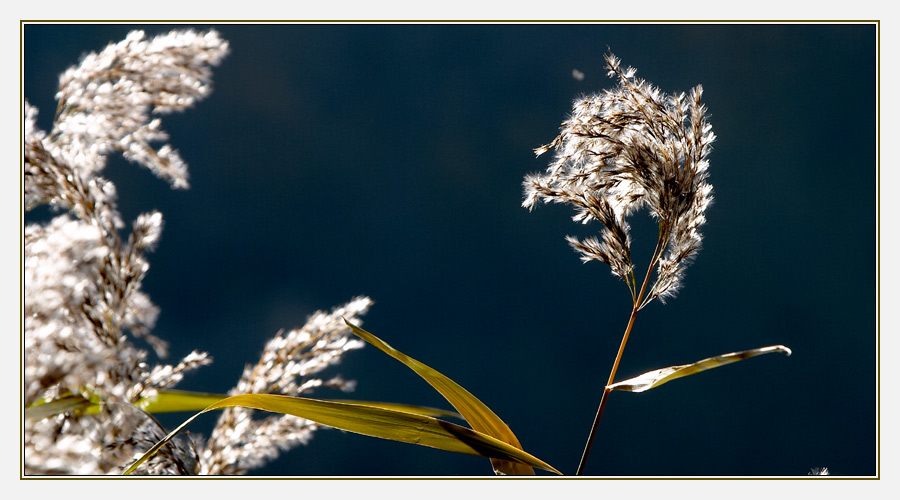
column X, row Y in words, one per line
column 624, row 149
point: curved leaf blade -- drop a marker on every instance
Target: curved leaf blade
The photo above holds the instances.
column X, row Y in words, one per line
column 176, row 401
column 371, row 421
column 425, row 411
column 659, row 377
column 171, row 401
column 62, row 405
column 476, row 413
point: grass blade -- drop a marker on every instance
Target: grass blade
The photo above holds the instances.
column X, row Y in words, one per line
column 659, row 377
column 426, row 411
column 62, row 405
column 373, row 421
column 476, row 413
column 173, row 401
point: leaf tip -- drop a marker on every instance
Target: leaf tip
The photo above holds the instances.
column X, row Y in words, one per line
column 776, row 348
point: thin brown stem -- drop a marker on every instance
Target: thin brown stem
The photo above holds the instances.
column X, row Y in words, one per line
column 660, row 245
column 606, row 391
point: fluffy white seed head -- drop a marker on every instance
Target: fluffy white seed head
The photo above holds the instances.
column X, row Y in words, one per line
column 625, row 149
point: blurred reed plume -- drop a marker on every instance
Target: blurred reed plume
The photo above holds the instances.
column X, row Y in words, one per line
column 620, row 151
column 84, row 305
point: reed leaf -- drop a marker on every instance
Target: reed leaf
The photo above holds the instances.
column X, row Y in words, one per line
column 370, row 421
column 171, row 401
column 476, row 413
column 659, row 377
column 426, row 411
column 71, row 403
column 174, row 401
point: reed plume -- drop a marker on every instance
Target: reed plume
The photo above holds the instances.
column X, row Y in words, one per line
column 84, row 303
column 622, row 150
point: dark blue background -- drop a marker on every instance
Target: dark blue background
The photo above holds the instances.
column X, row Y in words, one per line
column 387, row 160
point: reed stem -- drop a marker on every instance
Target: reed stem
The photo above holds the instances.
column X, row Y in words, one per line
column 660, row 245
column 605, row 397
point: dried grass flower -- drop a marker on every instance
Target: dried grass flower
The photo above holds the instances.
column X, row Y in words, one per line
column 84, row 303
column 622, row 150
column 625, row 149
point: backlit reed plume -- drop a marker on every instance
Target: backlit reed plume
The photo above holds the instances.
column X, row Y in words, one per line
column 84, row 305
column 622, row 150
column 239, row 442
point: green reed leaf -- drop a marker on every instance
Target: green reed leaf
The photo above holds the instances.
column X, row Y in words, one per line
column 659, row 377
column 373, row 421
column 72, row 403
column 173, row 401
column 476, row 413
column 426, row 411
column 170, row 401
